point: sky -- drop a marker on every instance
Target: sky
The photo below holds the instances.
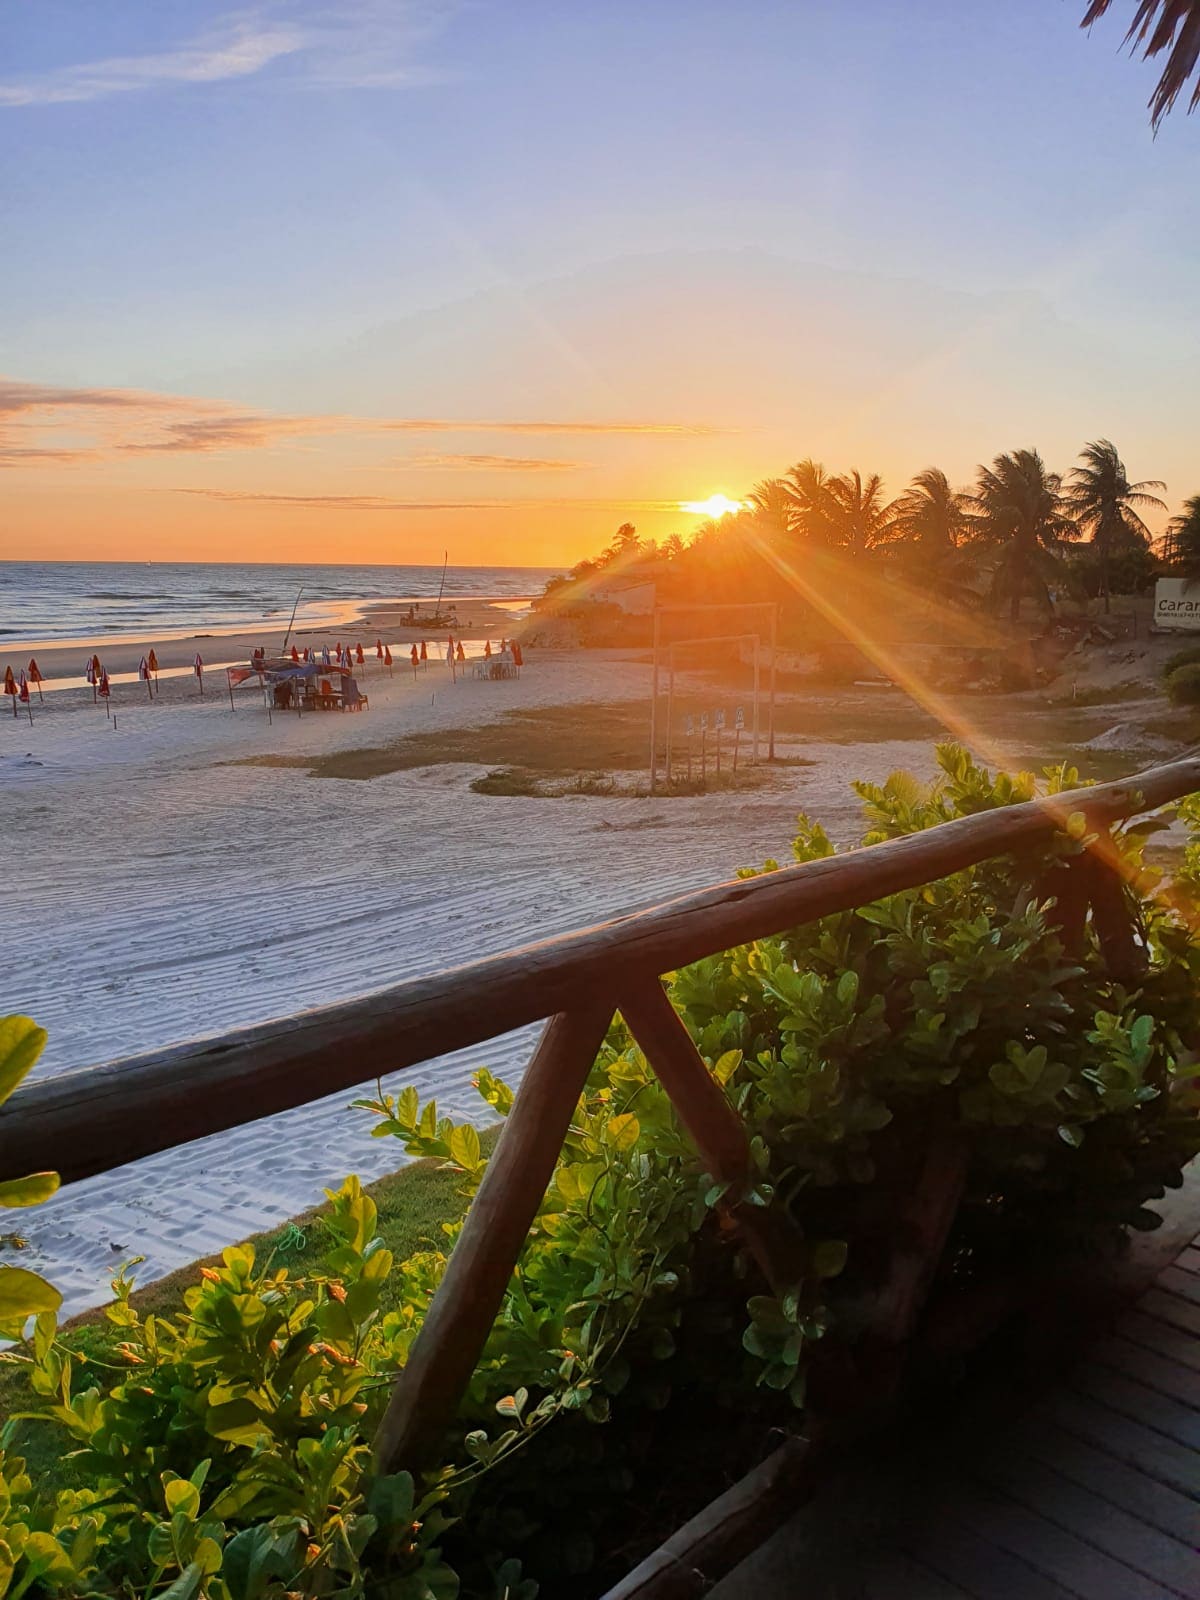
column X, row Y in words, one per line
column 372, row 279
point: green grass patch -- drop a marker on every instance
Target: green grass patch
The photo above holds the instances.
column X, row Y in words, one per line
column 413, row 1204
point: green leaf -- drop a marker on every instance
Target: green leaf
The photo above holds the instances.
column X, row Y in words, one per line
column 187, row 1585
column 30, row 1191
column 183, row 1497
column 1070, row 1133
column 24, row 1294
column 829, row 1258
column 238, row 1421
column 464, row 1147
column 622, row 1131
column 21, row 1043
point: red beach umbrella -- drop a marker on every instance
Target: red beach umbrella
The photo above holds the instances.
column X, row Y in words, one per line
column 459, row 652
column 413, row 654
column 487, row 650
column 295, row 654
column 23, row 697
column 518, row 658
column 379, row 649
column 387, row 657
column 198, row 669
column 105, row 690
column 90, row 674
column 10, row 687
column 358, row 654
column 35, row 676
column 152, row 663
column 424, row 652
column 144, row 675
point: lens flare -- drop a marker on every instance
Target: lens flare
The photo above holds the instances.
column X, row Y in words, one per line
column 717, row 505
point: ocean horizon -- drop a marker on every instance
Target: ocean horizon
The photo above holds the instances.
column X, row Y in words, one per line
column 48, row 600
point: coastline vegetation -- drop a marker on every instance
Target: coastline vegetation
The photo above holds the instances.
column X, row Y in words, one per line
column 1020, row 532
column 223, row 1450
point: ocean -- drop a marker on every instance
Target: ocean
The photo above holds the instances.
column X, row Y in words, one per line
column 49, row 600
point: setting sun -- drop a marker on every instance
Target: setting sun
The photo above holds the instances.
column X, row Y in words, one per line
column 717, row 505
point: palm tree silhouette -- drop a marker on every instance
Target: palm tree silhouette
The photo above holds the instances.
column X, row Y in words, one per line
column 1181, row 542
column 932, row 523
column 1103, row 502
column 859, row 515
column 1017, row 507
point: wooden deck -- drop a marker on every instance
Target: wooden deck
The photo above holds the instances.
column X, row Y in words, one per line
column 1092, row 1494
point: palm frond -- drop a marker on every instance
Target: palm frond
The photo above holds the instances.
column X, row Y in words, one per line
column 1158, row 25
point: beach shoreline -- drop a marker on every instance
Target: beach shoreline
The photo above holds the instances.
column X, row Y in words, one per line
column 363, row 620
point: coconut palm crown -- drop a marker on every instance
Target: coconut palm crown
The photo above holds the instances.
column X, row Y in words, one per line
column 1105, row 504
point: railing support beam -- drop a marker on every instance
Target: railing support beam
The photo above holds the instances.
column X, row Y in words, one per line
column 461, row 1314
column 717, row 1131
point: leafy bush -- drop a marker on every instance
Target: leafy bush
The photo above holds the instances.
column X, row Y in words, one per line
column 1182, row 658
column 229, row 1458
column 1183, row 686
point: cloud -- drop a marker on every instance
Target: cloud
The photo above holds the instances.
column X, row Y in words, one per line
column 374, row 502
column 13, row 455
column 461, row 425
column 477, row 463
column 350, row 44
column 111, row 423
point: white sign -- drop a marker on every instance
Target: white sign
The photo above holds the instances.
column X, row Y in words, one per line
column 720, row 720
column 1176, row 603
column 739, row 717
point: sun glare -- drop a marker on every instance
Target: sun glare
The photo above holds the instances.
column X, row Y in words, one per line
column 717, row 505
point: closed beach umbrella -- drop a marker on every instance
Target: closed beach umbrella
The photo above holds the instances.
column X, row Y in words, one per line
column 387, row 657
column 379, row 649
column 424, row 652
column 35, row 676
column 152, row 661
column 89, row 673
column 104, row 689
column 325, row 655
column 413, row 654
column 23, row 697
column 518, row 658
column 144, row 675
column 358, row 654
column 487, row 650
column 10, row 687
column 198, row 669
column 295, row 654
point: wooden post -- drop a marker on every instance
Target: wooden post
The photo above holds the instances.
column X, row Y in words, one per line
column 757, row 691
column 714, row 1126
column 1112, row 919
column 654, row 704
column 670, row 706
column 464, row 1308
column 771, row 701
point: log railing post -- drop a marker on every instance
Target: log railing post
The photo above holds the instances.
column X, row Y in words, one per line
column 1112, row 918
column 717, row 1131
column 461, row 1314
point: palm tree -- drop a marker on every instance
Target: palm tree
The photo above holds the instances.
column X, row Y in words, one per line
column 930, row 514
column 860, row 517
column 1017, row 507
column 673, row 546
column 627, row 544
column 1170, row 25
column 1103, row 503
column 773, row 509
column 807, row 487
column 1181, row 542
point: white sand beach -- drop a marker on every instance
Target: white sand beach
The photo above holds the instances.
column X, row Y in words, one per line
column 159, row 888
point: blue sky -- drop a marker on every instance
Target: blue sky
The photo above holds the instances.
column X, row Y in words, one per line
column 296, row 208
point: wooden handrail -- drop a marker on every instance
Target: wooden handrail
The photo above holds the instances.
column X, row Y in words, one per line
column 99, row 1118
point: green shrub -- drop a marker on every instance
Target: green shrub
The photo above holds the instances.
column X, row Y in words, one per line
column 238, row 1432
column 1182, row 658
column 1183, row 686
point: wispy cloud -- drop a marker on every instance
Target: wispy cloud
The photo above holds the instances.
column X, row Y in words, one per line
column 365, row 44
column 374, row 502
column 465, row 425
column 98, row 423
column 478, row 463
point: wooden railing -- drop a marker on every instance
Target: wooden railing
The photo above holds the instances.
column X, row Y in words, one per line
column 94, row 1120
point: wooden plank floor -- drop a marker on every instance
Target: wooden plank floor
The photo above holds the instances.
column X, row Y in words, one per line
column 1093, row 1495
